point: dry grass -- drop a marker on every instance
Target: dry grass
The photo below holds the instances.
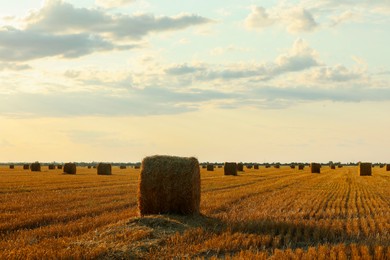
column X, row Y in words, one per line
column 275, row 214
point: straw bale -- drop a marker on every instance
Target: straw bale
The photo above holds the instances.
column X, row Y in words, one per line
column 35, row 167
column 315, row 168
column 104, row 169
column 364, row 169
column 230, row 168
column 70, row 168
column 169, row 185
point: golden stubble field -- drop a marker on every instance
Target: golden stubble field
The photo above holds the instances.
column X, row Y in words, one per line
column 267, row 213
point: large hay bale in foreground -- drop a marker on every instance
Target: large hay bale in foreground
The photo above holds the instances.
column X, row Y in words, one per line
column 210, row 167
column 301, row 166
column 70, row 168
column 240, row 167
column 52, row 167
column 11, row 166
column 230, row 168
column 315, row 168
column 104, row 169
column 169, row 184
column 35, row 167
column 387, row 167
column 26, row 166
column 364, row 169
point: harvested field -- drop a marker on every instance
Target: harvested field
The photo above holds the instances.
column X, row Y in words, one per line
column 272, row 213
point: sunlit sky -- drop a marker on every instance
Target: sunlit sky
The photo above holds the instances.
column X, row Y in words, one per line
column 253, row 81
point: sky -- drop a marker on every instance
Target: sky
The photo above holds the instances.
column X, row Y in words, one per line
column 252, row 81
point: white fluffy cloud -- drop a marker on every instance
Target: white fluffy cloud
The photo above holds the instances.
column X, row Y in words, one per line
column 294, row 20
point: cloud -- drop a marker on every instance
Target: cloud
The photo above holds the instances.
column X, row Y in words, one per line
column 259, row 18
column 59, row 17
column 18, row 45
column 338, row 73
column 295, row 20
column 299, row 57
column 113, row 3
column 13, row 66
column 343, row 17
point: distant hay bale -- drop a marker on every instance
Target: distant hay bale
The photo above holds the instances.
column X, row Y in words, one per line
column 35, row 167
column 249, row 166
column 70, row 168
column 26, row 166
column 169, row 185
column 333, row 167
column 210, row 167
column 267, row 166
column 387, row 167
column 52, row 167
column 315, row 168
column 256, row 166
column 11, row 166
column 94, row 167
column 230, row 168
column 122, row 167
column 104, row 169
column 219, row 166
column 137, row 166
column 292, row 166
column 240, row 167
column 339, row 166
column 204, row 166
column 301, row 166
column 59, row 167
column 381, row 165
column 277, row 166
column 89, row 166
column 364, row 169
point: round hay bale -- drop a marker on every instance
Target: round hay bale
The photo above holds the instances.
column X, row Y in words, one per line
column 364, row 169
column 89, row 166
column 277, row 166
column 35, row 167
column 240, row 167
column 104, row 169
column 339, row 166
column 26, row 166
column 11, row 166
column 137, row 166
column 333, row 167
column 387, row 167
column 292, row 166
column 301, row 166
column 70, row 168
column 59, row 167
column 315, row 168
column 219, row 166
column 210, row 167
column 267, row 166
column 249, row 166
column 169, row 185
column 52, row 167
column 122, row 167
column 256, row 166
column 230, row 168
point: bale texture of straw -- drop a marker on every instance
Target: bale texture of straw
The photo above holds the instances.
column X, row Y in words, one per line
column 169, row 184
column 70, row 168
column 364, row 169
column 315, row 168
column 35, row 167
column 240, row 167
column 104, row 169
column 230, row 168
